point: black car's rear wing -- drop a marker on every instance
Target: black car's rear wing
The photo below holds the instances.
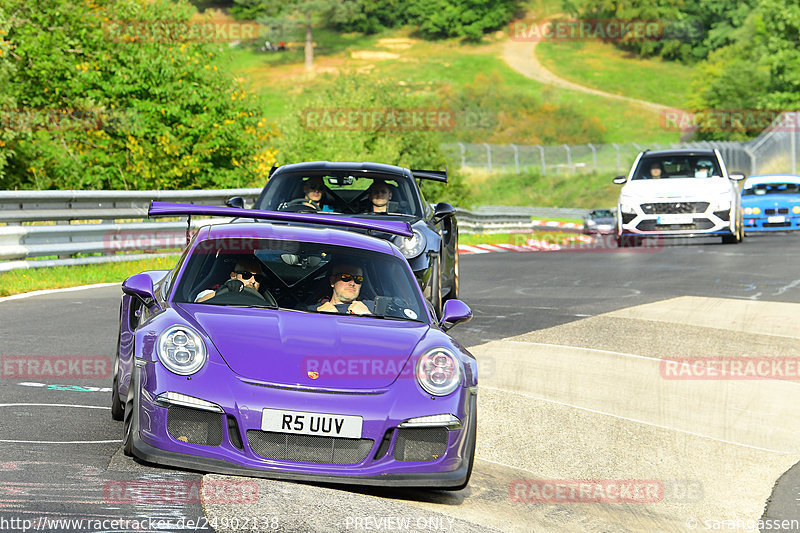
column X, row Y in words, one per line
column 167, row 209
column 435, row 175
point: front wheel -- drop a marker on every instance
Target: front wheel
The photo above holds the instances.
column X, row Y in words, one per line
column 117, row 409
column 435, row 286
column 130, row 405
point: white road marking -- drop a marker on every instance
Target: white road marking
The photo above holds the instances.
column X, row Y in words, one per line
column 54, row 291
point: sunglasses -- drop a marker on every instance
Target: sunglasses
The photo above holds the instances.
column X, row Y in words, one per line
column 350, row 277
column 247, row 275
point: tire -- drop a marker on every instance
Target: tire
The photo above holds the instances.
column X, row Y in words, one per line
column 435, row 286
column 454, row 286
column 471, row 444
column 130, row 404
column 738, row 233
column 117, row 409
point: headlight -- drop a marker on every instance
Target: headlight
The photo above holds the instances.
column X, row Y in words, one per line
column 723, row 204
column 591, row 223
column 439, row 372
column 796, row 210
column 747, row 211
column 627, row 205
column 181, row 350
column 756, row 210
column 412, row 246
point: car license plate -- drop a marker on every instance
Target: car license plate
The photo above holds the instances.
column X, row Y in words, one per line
column 675, row 219
column 776, row 220
column 304, row 423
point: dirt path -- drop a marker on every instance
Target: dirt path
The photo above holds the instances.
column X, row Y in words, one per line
column 521, row 56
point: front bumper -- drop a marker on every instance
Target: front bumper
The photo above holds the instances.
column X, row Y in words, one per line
column 687, row 218
column 233, row 452
column 771, row 223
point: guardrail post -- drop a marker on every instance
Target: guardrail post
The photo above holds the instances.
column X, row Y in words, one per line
column 541, row 153
column 594, row 157
column 619, row 166
column 516, row 157
column 488, row 157
column 463, row 155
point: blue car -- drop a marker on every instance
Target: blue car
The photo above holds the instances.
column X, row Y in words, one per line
column 771, row 202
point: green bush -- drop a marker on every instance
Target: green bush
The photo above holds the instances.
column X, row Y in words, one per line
column 97, row 99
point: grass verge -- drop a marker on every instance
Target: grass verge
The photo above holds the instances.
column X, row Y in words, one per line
column 607, row 68
column 27, row 280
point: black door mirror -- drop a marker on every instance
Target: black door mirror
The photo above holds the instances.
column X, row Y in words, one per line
column 235, row 201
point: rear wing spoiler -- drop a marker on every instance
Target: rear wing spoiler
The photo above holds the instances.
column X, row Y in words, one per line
column 168, row 209
column 434, row 175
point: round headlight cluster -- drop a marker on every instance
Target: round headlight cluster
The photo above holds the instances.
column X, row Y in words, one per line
column 412, row 246
column 752, row 211
column 181, row 350
column 439, row 372
column 796, row 210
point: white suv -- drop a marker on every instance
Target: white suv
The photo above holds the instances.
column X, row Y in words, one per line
column 679, row 193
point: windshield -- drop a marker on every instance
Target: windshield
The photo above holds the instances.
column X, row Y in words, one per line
column 300, row 276
column 772, row 188
column 677, row 166
column 340, row 193
column 601, row 213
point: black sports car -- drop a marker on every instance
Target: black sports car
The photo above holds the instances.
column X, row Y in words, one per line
column 375, row 190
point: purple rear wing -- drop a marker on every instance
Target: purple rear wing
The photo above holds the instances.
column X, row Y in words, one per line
column 168, row 209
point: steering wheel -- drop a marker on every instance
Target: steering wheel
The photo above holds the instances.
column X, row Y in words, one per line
column 299, row 205
column 235, row 293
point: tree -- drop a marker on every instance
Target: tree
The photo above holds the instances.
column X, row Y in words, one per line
column 122, row 95
column 759, row 71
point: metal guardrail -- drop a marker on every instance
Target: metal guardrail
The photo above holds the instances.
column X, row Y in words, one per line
column 107, row 229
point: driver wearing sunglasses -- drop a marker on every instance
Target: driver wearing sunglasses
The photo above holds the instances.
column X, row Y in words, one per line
column 346, row 280
column 246, row 270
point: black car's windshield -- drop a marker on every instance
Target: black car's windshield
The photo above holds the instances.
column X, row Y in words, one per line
column 340, row 193
column 677, row 166
column 601, row 213
column 772, row 188
column 301, row 276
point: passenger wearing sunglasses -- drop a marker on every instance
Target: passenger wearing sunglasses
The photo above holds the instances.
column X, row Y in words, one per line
column 346, row 280
column 247, row 270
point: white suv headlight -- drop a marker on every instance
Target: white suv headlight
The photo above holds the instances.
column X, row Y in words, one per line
column 181, row 350
column 412, row 246
column 439, row 372
column 723, row 204
column 627, row 205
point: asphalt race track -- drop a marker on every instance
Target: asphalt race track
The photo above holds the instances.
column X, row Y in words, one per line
column 583, row 425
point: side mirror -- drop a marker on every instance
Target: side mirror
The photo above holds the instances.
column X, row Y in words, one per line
column 736, row 177
column 454, row 312
column 443, row 210
column 620, row 180
column 140, row 286
column 235, row 201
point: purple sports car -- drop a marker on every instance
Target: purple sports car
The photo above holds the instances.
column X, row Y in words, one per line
column 281, row 347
